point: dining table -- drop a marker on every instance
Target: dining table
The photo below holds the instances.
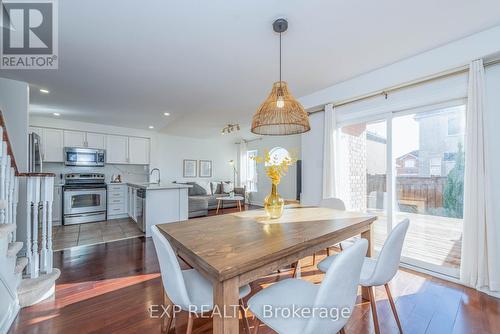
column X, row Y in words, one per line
column 235, row 249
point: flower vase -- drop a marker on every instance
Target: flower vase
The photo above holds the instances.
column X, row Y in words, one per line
column 273, row 203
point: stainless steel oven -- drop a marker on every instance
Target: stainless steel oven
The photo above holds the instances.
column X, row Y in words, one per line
column 90, row 157
column 84, row 198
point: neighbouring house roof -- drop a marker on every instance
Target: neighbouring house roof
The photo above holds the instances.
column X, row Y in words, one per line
column 413, row 154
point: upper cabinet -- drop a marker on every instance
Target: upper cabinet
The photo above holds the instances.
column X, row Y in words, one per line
column 116, row 149
column 74, row 139
column 53, row 144
column 138, row 150
column 96, row 140
column 119, row 149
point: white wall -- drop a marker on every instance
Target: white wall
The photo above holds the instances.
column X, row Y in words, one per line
column 14, row 101
column 288, row 185
column 449, row 56
column 492, row 119
column 167, row 152
column 312, row 162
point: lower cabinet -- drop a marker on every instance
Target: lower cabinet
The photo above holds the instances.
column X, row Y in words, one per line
column 117, row 201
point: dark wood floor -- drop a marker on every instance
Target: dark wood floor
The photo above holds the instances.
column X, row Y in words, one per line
column 108, row 288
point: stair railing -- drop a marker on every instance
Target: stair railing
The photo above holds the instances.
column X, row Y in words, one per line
column 39, row 198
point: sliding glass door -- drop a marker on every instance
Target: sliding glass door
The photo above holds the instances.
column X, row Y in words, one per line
column 410, row 165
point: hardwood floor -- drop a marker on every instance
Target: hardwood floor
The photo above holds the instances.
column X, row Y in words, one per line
column 108, row 288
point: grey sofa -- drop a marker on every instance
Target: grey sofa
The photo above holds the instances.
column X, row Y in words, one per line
column 199, row 201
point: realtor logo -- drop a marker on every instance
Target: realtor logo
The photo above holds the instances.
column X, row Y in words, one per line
column 29, row 34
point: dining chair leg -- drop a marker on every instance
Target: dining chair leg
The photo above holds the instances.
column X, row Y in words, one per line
column 314, row 259
column 342, row 331
column 295, row 268
column 328, row 251
column 244, row 318
column 393, row 307
column 256, row 326
column 166, row 321
column 373, row 303
column 189, row 329
column 340, row 246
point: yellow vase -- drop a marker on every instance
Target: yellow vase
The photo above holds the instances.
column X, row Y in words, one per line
column 273, row 203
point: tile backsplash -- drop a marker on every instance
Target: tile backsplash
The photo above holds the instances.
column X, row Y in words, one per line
column 129, row 173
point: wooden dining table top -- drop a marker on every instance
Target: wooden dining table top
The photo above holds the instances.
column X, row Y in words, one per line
column 229, row 245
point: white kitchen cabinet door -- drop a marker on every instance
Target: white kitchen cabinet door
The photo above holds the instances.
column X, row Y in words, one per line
column 74, row 138
column 138, row 150
column 53, row 144
column 96, row 140
column 116, row 149
column 57, row 204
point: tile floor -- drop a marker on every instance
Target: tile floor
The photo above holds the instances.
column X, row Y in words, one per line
column 93, row 233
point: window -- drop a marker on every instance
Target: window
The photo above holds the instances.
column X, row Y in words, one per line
column 277, row 154
column 426, row 185
column 251, row 182
column 435, row 167
column 455, row 125
column 409, row 163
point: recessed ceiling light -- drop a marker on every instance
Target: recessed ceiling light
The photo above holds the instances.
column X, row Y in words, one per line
column 166, row 113
column 56, row 114
column 151, row 127
column 44, row 91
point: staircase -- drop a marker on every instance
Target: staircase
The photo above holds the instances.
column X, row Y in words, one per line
column 29, row 279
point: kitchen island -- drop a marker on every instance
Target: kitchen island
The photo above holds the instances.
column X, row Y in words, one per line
column 157, row 203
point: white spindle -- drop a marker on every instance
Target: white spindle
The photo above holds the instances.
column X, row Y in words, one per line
column 29, row 219
column 12, row 218
column 3, row 170
column 49, row 190
column 6, row 191
column 43, row 204
column 36, row 202
column 15, row 202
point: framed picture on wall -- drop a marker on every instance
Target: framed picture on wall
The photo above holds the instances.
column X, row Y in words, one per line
column 189, row 168
column 205, row 168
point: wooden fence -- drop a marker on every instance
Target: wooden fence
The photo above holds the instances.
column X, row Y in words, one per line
column 423, row 193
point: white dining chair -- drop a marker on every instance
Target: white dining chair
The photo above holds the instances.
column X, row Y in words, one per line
column 336, row 204
column 337, row 292
column 187, row 289
column 380, row 271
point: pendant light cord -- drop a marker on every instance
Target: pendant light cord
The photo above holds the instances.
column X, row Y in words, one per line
column 280, row 60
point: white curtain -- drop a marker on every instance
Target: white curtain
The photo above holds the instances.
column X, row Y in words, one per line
column 480, row 266
column 243, row 164
column 329, row 152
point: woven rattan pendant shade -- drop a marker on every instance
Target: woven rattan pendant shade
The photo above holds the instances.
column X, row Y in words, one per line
column 286, row 117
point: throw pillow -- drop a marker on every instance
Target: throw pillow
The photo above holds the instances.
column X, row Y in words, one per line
column 227, row 187
column 206, row 186
column 196, row 190
column 215, row 186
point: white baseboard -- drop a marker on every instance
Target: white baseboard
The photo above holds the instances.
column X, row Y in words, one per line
column 261, row 204
column 9, row 316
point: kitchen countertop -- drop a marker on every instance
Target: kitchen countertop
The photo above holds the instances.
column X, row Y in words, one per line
column 161, row 186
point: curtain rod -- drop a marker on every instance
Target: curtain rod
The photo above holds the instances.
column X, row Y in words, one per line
column 248, row 141
column 417, row 82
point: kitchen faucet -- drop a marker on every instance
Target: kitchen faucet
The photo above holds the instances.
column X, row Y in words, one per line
column 158, row 174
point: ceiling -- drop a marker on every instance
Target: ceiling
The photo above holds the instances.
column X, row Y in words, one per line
column 125, row 63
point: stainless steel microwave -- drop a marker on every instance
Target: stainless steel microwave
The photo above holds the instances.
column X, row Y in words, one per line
column 89, row 157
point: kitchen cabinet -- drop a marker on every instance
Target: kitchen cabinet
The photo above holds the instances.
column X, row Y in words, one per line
column 38, row 131
column 117, row 201
column 138, row 149
column 57, row 205
column 74, row 139
column 116, row 149
column 96, row 140
column 53, row 144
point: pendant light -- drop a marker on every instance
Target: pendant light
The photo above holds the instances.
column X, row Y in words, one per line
column 280, row 114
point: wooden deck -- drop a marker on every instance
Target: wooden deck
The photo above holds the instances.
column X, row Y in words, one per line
column 431, row 239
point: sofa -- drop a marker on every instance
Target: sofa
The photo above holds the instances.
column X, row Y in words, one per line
column 202, row 197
